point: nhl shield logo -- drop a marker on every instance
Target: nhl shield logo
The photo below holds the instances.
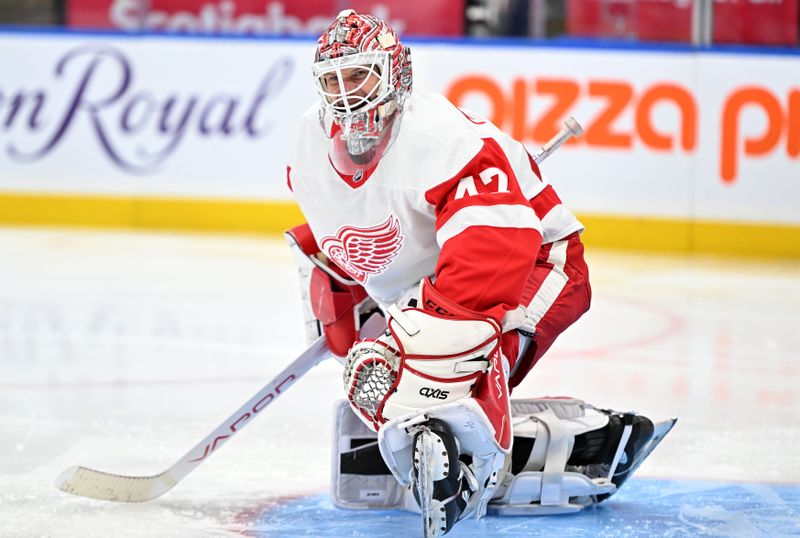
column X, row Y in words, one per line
column 362, row 252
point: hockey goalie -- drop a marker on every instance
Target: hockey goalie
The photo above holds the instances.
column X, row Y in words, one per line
column 432, row 221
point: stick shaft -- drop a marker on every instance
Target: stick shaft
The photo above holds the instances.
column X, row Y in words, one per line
column 111, row 487
column 312, row 356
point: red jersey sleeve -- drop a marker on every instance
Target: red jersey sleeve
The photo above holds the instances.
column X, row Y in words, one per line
column 488, row 232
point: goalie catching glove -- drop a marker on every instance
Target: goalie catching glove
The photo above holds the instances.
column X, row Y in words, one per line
column 436, row 355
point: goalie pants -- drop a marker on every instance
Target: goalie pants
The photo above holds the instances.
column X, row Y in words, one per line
column 556, row 295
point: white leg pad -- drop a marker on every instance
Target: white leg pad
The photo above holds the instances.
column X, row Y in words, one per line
column 361, row 490
column 545, row 486
column 475, row 435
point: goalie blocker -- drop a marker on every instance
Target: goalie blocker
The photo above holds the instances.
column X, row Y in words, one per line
column 566, row 455
column 334, row 305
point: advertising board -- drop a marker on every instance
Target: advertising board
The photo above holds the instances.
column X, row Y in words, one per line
column 668, row 134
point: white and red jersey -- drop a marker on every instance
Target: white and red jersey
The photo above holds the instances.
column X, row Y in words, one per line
column 453, row 197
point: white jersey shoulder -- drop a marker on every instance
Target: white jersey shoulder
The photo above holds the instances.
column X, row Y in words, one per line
column 435, row 142
column 440, row 139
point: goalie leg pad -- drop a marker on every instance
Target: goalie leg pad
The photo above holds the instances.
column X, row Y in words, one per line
column 568, row 455
column 359, row 477
column 540, row 480
column 469, row 424
column 535, row 479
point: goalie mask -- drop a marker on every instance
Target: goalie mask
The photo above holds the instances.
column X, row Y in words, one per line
column 363, row 75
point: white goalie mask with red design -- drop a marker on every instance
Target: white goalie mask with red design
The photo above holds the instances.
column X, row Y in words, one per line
column 363, row 75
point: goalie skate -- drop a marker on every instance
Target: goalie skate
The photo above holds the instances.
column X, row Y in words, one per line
column 633, row 437
column 638, row 448
column 441, row 483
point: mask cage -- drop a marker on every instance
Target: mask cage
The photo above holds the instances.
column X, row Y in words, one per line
column 341, row 99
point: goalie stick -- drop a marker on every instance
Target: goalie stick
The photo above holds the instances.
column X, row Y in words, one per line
column 112, row 487
column 571, row 128
column 91, row 483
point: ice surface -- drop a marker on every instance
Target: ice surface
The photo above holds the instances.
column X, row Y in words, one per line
column 642, row 508
column 120, row 351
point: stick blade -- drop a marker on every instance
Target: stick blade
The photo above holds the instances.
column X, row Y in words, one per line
column 86, row 482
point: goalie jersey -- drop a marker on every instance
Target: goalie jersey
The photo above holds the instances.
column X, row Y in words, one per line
column 453, row 197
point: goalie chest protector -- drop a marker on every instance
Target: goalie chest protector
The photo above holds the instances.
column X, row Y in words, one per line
column 379, row 225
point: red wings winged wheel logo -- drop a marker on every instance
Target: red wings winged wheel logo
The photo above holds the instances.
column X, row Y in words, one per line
column 364, row 251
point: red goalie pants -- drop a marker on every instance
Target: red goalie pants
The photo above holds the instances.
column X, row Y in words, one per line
column 557, row 294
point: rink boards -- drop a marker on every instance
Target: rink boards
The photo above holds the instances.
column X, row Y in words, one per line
column 682, row 151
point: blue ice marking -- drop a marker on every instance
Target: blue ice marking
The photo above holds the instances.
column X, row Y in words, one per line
column 642, row 508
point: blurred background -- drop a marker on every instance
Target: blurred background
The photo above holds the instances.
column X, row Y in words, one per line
column 177, row 114
column 772, row 22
